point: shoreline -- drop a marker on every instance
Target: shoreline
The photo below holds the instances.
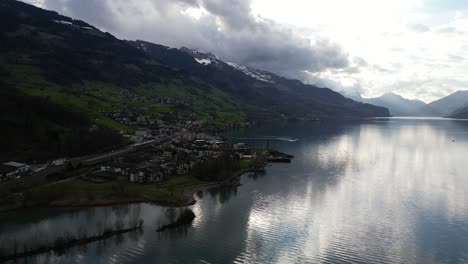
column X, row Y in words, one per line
column 190, row 192
column 188, row 197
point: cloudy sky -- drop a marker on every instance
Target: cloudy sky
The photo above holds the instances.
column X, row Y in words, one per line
column 416, row 48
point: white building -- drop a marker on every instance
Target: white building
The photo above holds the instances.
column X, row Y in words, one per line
column 14, row 169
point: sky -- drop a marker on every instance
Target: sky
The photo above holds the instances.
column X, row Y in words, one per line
column 415, row 48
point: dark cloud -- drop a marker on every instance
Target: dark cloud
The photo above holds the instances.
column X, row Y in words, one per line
column 235, row 13
column 229, row 29
column 84, row 9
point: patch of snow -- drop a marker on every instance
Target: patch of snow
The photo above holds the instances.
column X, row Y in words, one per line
column 63, row 22
column 204, row 61
column 143, row 46
column 200, row 57
column 252, row 73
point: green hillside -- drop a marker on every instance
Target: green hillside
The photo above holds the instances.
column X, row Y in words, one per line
column 68, row 64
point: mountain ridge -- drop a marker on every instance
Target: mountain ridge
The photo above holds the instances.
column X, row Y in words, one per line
column 450, row 104
column 397, row 105
column 273, row 94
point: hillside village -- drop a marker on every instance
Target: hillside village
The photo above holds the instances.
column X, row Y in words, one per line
column 157, row 151
column 179, row 156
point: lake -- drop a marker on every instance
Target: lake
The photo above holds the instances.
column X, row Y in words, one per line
column 382, row 191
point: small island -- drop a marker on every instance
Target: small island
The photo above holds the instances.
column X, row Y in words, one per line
column 185, row 218
column 60, row 244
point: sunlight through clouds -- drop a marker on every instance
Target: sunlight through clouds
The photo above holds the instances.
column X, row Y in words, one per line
column 409, row 48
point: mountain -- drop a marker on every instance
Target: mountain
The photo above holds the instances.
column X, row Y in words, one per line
column 398, row 105
column 50, row 61
column 265, row 94
column 454, row 105
column 451, row 104
column 461, row 113
column 60, row 63
column 35, row 128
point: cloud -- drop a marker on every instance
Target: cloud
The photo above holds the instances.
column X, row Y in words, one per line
column 97, row 10
column 421, row 28
column 227, row 28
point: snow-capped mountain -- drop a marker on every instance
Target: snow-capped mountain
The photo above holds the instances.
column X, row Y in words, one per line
column 257, row 74
column 202, row 58
column 206, row 59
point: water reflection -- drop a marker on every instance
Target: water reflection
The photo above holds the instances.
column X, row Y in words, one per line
column 223, row 195
column 78, row 223
column 363, row 196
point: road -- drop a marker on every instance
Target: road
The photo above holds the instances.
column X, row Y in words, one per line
column 81, row 163
column 87, row 161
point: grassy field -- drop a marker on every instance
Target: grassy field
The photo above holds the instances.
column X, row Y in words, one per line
column 209, row 103
column 93, row 97
column 245, row 164
column 81, row 192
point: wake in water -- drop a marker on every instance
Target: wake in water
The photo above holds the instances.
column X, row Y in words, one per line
column 288, row 139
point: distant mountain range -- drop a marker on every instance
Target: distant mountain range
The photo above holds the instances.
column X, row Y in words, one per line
column 454, row 105
column 396, row 104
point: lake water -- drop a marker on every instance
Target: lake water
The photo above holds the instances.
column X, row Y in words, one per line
column 383, row 191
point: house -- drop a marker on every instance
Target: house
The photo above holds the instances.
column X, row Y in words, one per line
column 215, row 143
column 182, row 168
column 238, row 155
column 135, row 175
column 119, row 169
column 141, row 132
column 161, row 173
column 146, row 174
column 14, row 169
column 167, row 154
column 22, row 168
column 240, row 146
column 59, row 162
column 6, row 172
column 210, row 153
column 167, row 169
column 141, row 119
column 200, row 142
